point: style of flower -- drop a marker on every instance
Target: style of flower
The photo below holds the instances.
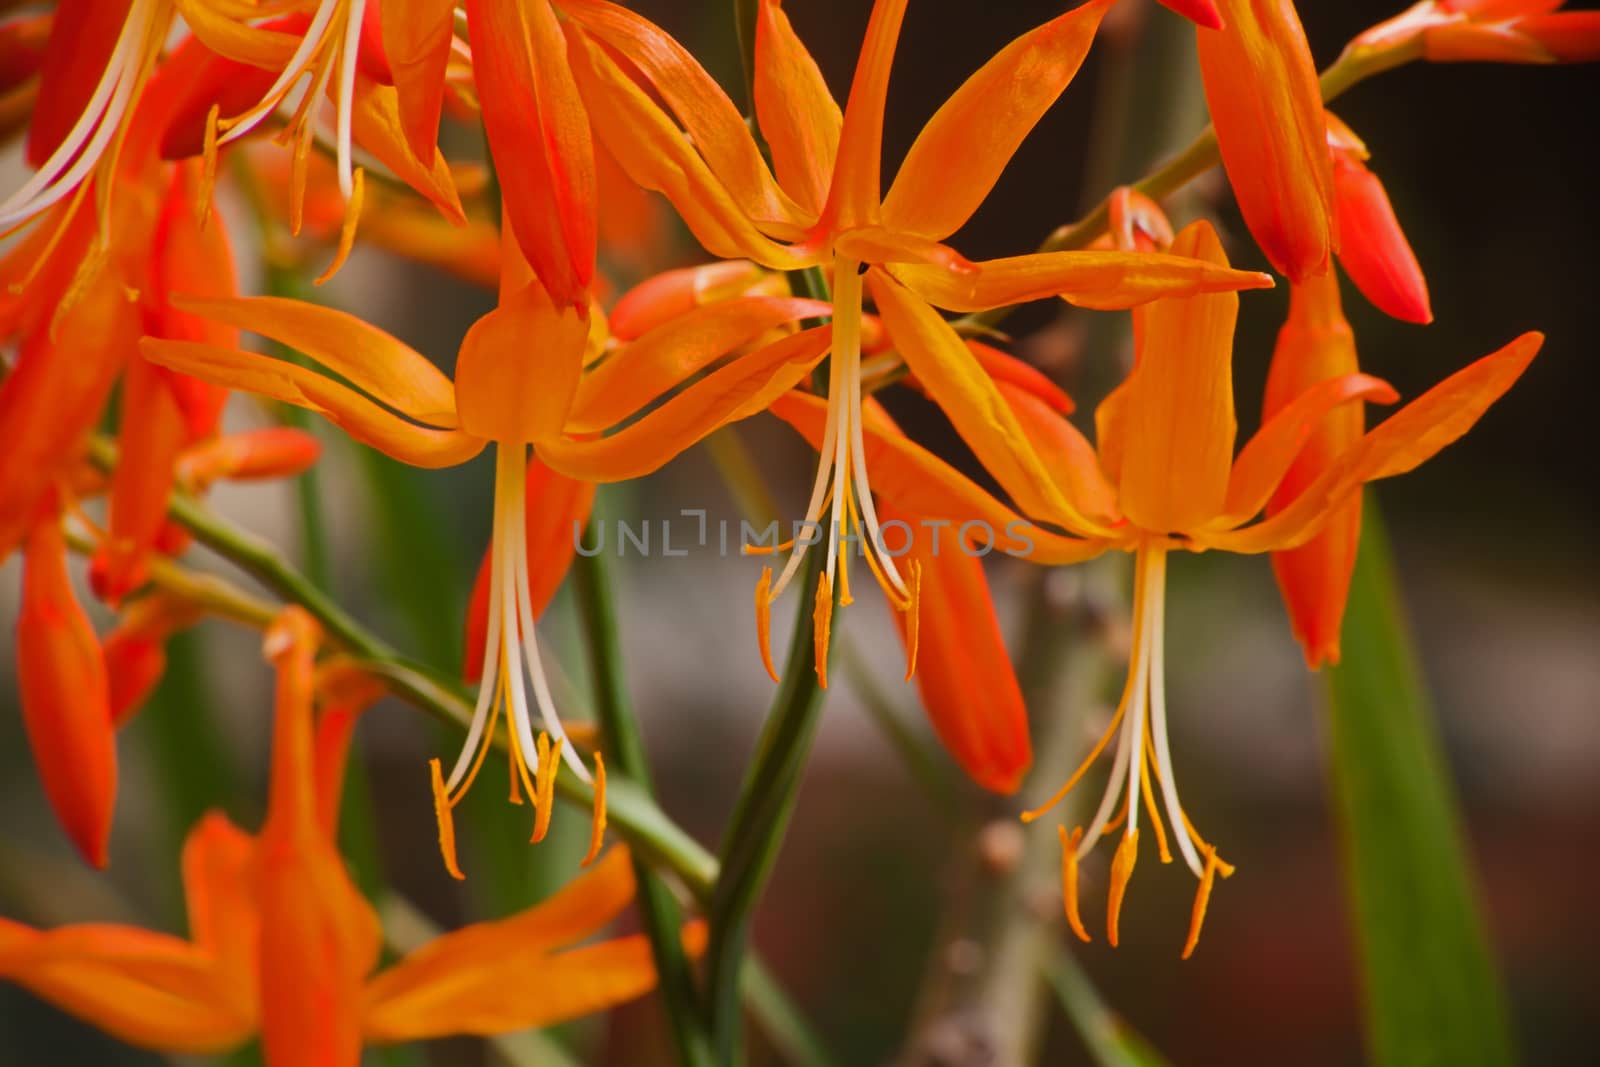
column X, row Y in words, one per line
column 820, row 205
column 282, row 944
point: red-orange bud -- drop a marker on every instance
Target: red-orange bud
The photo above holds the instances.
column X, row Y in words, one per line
column 65, row 695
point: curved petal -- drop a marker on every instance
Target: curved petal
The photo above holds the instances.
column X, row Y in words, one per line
column 148, row 989
column 82, row 38
column 1403, row 441
column 964, row 673
column 713, row 124
column 645, row 369
column 952, row 376
column 420, row 446
column 1261, row 87
column 375, row 362
column 856, row 193
column 735, row 391
column 377, row 125
column 880, row 244
column 797, row 114
column 1066, row 452
column 416, row 43
column 539, row 132
column 1103, row 280
column 959, row 155
column 1008, row 370
column 655, row 153
column 664, row 296
column 219, row 890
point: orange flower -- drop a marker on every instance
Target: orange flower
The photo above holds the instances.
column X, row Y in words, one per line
column 558, row 396
column 1164, row 477
column 1261, row 87
column 282, row 944
column 820, row 205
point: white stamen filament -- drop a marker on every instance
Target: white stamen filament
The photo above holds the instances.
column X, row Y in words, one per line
column 347, row 91
column 510, row 609
column 292, row 70
column 1144, row 693
column 842, row 462
column 102, row 115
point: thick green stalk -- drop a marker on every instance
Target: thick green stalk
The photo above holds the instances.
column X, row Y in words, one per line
column 619, row 730
column 755, row 832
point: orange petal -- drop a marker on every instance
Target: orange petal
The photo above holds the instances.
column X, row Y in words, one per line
column 734, row 391
column 270, row 452
column 1569, row 36
column 475, row 979
column 1261, row 87
column 145, row 988
column 416, row 43
column 420, row 446
column 1202, row 12
column 539, row 132
column 879, row 244
column 855, row 196
column 557, row 509
column 1102, row 280
column 664, row 296
column 376, row 125
column 1007, row 369
column 798, row 115
column 324, row 937
column 1402, row 442
column 1066, row 453
column 657, row 155
column 1178, row 439
column 968, row 687
column 373, row 361
column 959, row 155
column 642, row 371
column 219, row 890
column 954, row 379
column 1375, row 252
column 714, row 125
column 151, row 437
column 65, row 695
column 518, row 368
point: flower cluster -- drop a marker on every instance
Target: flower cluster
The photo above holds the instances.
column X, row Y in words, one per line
column 821, row 290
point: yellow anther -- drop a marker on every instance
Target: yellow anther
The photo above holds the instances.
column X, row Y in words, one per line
column 347, row 230
column 764, row 621
column 1146, row 773
column 545, row 779
column 913, row 611
column 597, row 825
column 447, row 825
column 1202, row 897
column 822, row 624
column 1069, row 879
column 208, row 172
column 1121, row 870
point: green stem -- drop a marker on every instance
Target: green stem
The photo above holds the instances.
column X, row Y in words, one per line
column 756, row 830
column 619, row 730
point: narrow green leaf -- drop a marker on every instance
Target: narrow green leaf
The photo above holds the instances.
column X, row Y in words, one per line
column 1110, row 1040
column 1432, row 994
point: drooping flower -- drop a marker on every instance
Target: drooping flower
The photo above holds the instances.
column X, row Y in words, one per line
column 821, row 204
column 1164, row 477
column 558, row 396
column 283, row 945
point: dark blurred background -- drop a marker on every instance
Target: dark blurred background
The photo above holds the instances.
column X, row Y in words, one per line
column 1492, row 172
